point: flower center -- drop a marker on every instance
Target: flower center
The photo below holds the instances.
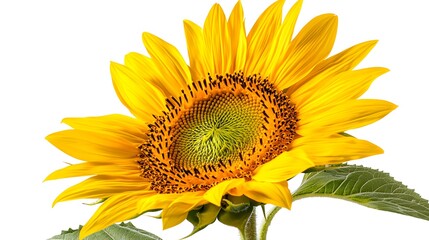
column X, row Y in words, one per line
column 218, row 129
column 215, row 129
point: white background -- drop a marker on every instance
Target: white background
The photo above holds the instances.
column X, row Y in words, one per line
column 54, row 63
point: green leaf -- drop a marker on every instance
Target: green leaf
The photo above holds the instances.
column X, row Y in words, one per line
column 202, row 217
column 70, row 234
column 123, row 231
column 366, row 186
column 320, row 168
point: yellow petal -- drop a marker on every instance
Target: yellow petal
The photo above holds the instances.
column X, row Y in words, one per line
column 93, row 146
column 334, row 90
column 100, row 187
column 277, row 194
column 129, row 128
column 196, row 50
column 117, row 208
column 217, row 41
column 157, row 202
column 237, row 33
column 261, row 35
column 140, row 97
column 147, row 70
column 285, row 166
column 281, row 40
column 341, row 62
column 334, row 150
column 215, row 194
column 312, row 44
column 349, row 115
column 169, row 61
column 127, row 167
column 178, row 210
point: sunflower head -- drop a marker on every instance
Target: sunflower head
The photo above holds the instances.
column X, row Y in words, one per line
column 226, row 128
column 226, row 131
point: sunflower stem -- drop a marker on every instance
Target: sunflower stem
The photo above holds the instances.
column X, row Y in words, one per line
column 249, row 232
column 267, row 222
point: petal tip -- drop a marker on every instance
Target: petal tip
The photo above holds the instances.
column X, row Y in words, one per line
column 114, row 68
column 51, row 138
column 383, row 70
column 329, row 19
column 147, row 37
column 372, row 42
column 333, row 19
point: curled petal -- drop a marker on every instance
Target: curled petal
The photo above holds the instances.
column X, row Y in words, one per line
column 178, row 210
column 283, row 167
column 115, row 209
column 215, row 194
column 277, row 194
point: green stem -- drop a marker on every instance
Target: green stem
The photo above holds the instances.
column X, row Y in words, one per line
column 249, row 232
column 267, row 222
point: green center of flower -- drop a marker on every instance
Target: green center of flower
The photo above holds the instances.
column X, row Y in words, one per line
column 216, row 129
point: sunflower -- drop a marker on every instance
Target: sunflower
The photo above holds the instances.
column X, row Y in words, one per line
column 249, row 112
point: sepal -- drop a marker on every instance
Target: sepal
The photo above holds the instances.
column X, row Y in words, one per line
column 236, row 211
column 202, row 217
